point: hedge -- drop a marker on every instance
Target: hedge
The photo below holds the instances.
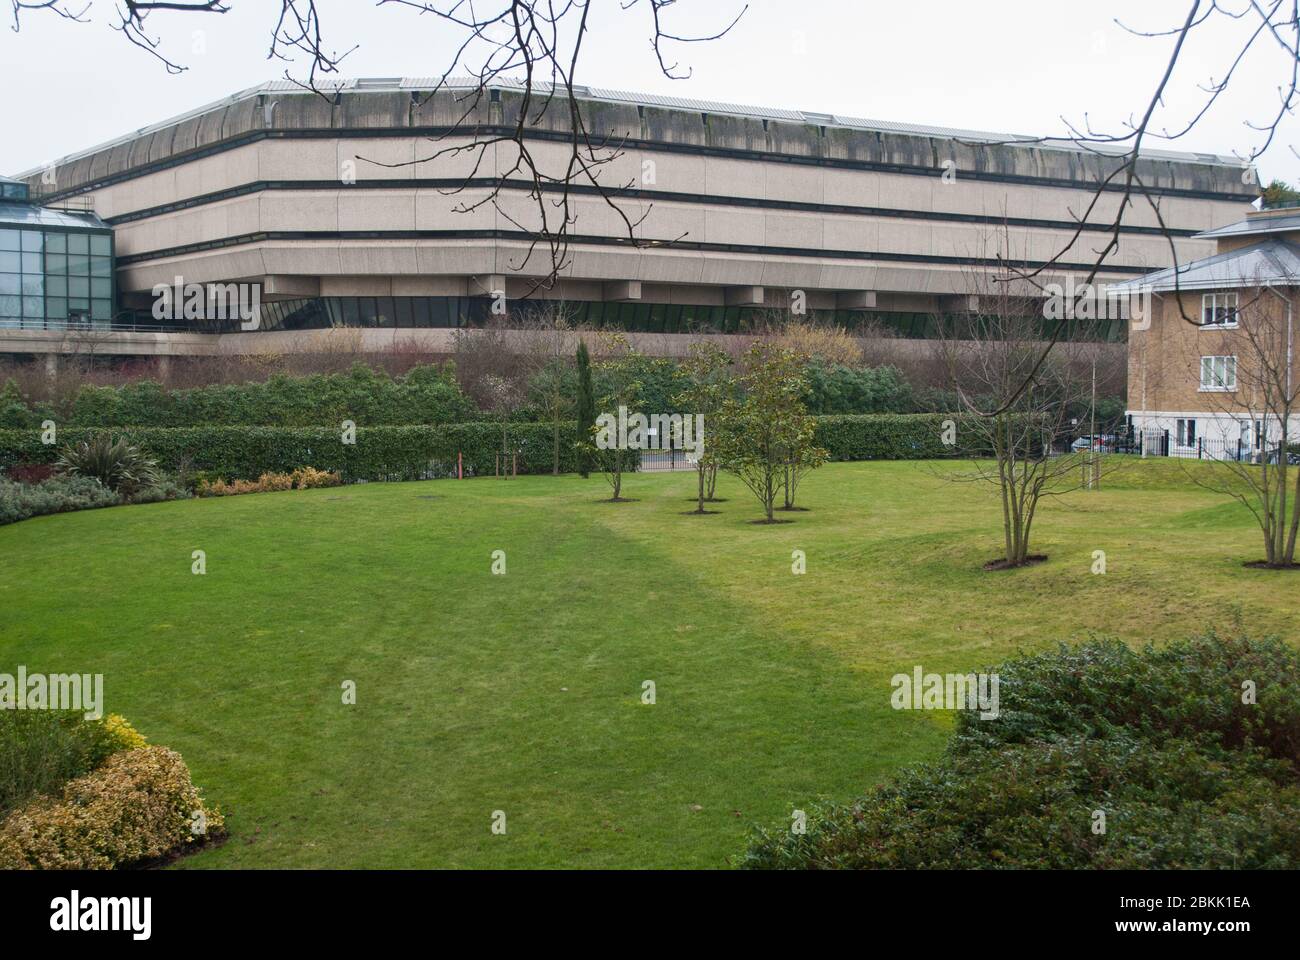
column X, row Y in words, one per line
column 900, row 436
column 426, row 395
column 380, row 453
column 420, row 452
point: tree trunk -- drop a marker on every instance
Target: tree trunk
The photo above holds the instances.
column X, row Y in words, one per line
column 555, row 467
column 1289, row 556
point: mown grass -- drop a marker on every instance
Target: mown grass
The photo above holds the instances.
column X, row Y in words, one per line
column 522, row 693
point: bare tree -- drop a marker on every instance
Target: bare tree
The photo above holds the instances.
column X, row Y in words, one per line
column 1017, row 403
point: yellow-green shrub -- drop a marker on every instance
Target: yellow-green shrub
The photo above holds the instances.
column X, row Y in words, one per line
column 141, row 804
column 123, row 735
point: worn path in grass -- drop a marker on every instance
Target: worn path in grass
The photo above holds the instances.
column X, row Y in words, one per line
column 522, row 693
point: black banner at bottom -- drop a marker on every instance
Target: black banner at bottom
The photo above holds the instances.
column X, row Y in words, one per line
column 942, row 910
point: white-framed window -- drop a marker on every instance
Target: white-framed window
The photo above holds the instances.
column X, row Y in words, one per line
column 1185, row 432
column 1219, row 310
column 1218, row 373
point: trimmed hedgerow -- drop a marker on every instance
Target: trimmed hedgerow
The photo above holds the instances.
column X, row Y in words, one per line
column 427, row 394
column 902, row 436
column 139, row 805
column 415, row 452
column 1188, row 772
column 379, row 453
column 894, row 436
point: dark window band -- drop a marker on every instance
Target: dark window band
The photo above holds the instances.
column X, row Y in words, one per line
column 402, row 313
column 581, row 240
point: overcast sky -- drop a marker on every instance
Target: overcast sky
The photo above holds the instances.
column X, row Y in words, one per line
column 1010, row 66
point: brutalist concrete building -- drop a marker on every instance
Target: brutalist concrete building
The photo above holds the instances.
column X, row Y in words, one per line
column 338, row 211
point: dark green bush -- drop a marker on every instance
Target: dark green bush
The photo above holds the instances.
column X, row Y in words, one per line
column 1173, row 804
column 426, row 395
column 1187, row 774
column 113, row 461
column 407, row 453
column 890, row 436
column 839, row 389
column 380, row 453
column 1189, row 688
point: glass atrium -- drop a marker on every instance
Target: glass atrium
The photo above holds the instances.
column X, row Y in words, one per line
column 56, row 266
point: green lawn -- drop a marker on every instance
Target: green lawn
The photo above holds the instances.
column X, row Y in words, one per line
column 522, row 692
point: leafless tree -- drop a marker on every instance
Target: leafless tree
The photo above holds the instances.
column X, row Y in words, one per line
column 1016, row 403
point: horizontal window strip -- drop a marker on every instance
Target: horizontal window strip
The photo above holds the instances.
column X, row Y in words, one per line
column 579, row 241
column 734, row 153
column 486, row 183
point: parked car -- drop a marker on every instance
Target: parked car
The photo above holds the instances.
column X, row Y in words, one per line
column 1292, row 454
column 1102, row 443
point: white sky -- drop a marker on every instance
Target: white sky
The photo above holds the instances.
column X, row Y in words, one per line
column 1010, row 66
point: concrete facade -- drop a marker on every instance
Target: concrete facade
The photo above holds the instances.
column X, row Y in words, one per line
column 311, row 198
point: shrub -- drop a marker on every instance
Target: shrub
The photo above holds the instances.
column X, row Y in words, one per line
column 839, row 389
column 1187, row 774
column 427, row 394
column 30, row 472
column 41, row 750
column 911, row 436
column 1189, row 688
column 1171, row 805
column 140, row 805
column 272, row 482
column 303, row 478
column 19, row 501
column 308, row 478
column 116, row 463
column 122, row 734
column 164, row 489
column 380, row 453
